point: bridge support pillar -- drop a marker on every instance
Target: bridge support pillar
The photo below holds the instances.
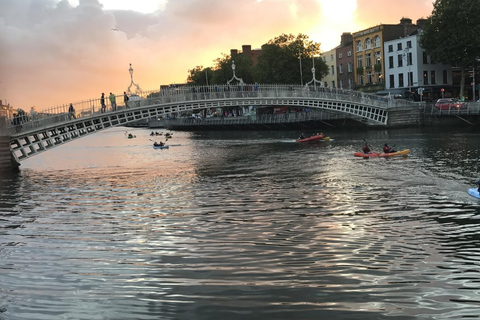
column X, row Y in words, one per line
column 7, row 161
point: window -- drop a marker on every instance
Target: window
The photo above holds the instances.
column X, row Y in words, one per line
column 350, row 67
column 359, row 61
column 425, row 58
column 378, row 57
column 324, row 59
column 359, row 46
column 369, row 77
column 390, row 48
column 410, row 79
column 341, row 84
column 400, row 60
column 350, row 84
column 340, row 55
column 349, row 53
column 390, row 62
column 368, row 43
column 409, row 59
column 360, row 79
column 409, row 44
column 399, row 46
column 332, row 70
column 432, row 77
column 445, row 77
column 333, row 84
column 400, row 80
column 340, row 68
column 425, row 77
column 331, row 57
column 376, row 41
column 368, row 60
column 392, row 81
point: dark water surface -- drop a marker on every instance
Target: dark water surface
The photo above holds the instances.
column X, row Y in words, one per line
column 243, row 225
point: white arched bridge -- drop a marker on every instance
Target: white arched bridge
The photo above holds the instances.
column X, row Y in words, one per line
column 42, row 131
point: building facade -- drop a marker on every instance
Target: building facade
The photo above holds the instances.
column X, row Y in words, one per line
column 408, row 68
column 247, row 51
column 368, row 46
column 345, row 64
column 330, row 59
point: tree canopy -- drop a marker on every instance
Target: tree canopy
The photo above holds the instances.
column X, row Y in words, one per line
column 451, row 34
column 279, row 62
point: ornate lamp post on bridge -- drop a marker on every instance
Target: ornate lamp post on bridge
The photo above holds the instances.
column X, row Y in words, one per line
column 240, row 80
column 313, row 73
column 130, row 70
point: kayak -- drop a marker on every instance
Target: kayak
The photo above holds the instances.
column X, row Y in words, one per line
column 382, row 154
column 474, row 192
column 313, row 138
column 160, row 147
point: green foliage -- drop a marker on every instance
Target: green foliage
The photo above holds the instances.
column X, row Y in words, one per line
column 279, row 62
column 451, row 33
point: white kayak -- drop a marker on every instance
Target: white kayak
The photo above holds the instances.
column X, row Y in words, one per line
column 474, row 192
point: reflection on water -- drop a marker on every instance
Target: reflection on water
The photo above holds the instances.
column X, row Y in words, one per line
column 242, row 225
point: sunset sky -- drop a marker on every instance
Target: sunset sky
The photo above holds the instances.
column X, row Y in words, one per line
column 55, row 52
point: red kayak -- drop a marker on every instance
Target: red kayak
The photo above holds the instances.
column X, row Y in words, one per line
column 312, row 138
column 382, row 154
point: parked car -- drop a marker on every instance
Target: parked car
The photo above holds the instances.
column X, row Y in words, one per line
column 450, row 104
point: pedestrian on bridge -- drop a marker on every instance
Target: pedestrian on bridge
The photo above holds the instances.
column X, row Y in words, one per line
column 102, row 102
column 71, row 112
column 125, row 99
column 113, row 102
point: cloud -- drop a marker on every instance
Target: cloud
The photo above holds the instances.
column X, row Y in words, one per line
column 54, row 52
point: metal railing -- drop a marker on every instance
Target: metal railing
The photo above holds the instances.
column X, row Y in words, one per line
column 92, row 107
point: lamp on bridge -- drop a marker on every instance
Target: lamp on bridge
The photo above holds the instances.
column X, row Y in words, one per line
column 313, row 72
column 240, row 80
column 130, row 70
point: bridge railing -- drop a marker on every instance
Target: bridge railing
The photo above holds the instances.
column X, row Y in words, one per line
column 92, row 107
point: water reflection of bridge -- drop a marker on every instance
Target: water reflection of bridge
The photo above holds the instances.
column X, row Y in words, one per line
column 46, row 130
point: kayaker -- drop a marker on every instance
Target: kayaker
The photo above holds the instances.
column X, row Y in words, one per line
column 302, row 136
column 387, row 149
column 478, row 185
column 366, row 149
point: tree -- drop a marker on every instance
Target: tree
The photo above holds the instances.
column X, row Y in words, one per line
column 199, row 76
column 451, row 34
column 279, row 60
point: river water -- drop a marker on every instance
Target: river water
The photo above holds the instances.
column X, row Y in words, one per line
column 243, row 225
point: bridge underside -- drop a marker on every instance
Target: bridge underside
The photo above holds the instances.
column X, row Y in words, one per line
column 34, row 138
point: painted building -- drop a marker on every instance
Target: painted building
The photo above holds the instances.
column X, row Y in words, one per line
column 408, row 68
column 368, row 45
column 330, row 59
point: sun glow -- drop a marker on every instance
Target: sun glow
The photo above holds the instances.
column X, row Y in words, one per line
column 336, row 17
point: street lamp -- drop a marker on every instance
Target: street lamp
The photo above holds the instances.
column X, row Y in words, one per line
column 130, row 70
column 301, row 76
column 313, row 73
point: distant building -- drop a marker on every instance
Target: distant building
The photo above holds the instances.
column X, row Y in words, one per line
column 408, row 68
column 369, row 64
column 247, row 51
column 6, row 110
column 330, row 80
column 344, row 54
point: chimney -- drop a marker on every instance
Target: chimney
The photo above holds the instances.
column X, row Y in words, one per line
column 247, row 49
column 345, row 39
column 233, row 52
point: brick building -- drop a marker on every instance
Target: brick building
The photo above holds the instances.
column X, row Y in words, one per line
column 247, row 51
column 344, row 53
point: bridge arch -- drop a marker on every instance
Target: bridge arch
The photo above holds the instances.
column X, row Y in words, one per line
column 34, row 137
